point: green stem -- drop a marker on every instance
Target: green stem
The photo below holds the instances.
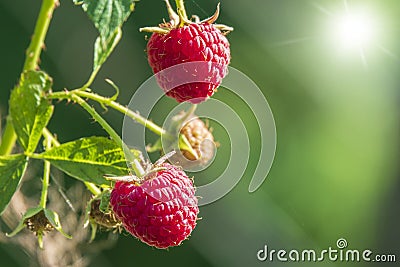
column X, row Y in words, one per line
column 115, row 105
column 181, row 9
column 77, row 93
column 39, row 34
column 137, row 167
column 90, row 80
column 91, row 187
column 46, row 177
column 47, row 134
column 114, row 135
column 9, row 138
column 124, row 110
column 31, row 63
column 189, row 113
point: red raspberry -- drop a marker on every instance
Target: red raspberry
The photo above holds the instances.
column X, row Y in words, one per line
column 191, row 43
column 183, row 41
column 162, row 211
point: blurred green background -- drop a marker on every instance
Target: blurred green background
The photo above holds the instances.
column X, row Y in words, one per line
column 336, row 171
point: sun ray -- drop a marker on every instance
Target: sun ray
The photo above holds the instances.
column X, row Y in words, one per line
column 346, row 6
column 322, row 9
column 363, row 58
column 355, row 31
column 293, row 41
column 387, row 51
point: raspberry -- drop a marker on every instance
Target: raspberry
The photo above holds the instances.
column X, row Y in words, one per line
column 200, row 139
column 161, row 211
column 202, row 43
column 196, row 133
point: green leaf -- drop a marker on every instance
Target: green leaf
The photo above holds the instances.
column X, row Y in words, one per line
column 107, row 15
column 54, row 220
column 88, row 159
column 12, row 168
column 21, row 225
column 104, row 47
column 29, row 110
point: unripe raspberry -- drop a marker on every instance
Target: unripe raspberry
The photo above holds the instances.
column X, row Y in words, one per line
column 161, row 211
column 197, row 133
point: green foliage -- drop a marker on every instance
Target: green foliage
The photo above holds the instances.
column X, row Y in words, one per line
column 88, row 159
column 29, row 110
column 107, row 15
column 103, row 48
column 12, row 169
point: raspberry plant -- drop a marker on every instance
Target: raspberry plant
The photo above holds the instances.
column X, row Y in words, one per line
column 100, row 162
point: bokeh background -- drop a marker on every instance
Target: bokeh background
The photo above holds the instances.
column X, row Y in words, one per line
column 336, row 171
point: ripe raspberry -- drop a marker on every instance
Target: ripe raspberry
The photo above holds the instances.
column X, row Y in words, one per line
column 183, row 41
column 162, row 211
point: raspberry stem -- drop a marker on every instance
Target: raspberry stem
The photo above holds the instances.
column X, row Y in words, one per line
column 49, row 135
column 46, row 176
column 39, row 34
column 138, row 168
column 77, row 95
column 31, row 63
column 181, row 10
column 189, row 113
column 124, row 110
column 172, row 14
column 115, row 105
column 92, row 188
column 96, row 116
column 73, row 95
column 113, row 134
